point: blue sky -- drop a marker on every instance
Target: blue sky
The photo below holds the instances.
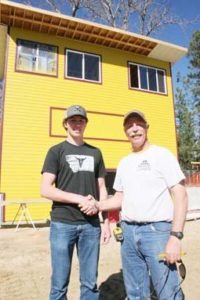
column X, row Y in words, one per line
column 188, row 9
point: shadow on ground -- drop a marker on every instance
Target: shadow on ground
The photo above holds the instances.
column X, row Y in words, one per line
column 113, row 288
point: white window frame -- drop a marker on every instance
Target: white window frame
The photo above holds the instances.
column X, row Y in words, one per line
column 147, row 79
column 83, row 77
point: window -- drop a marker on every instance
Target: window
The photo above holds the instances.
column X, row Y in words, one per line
column 147, row 78
column 37, row 58
column 82, row 66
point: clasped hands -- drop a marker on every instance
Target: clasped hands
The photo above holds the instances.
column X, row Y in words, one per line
column 89, row 205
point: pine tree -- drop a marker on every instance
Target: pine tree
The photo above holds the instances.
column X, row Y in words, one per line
column 185, row 124
column 194, row 76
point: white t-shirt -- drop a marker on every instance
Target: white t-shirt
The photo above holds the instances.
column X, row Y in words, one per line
column 145, row 179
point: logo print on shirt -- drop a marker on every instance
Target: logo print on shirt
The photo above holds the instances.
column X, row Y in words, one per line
column 79, row 163
column 144, row 166
column 80, row 160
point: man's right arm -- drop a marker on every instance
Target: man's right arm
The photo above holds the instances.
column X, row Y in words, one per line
column 48, row 190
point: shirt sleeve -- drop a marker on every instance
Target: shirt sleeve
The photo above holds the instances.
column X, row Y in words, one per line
column 50, row 163
column 171, row 169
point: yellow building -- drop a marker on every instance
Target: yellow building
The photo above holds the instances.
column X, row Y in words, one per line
column 49, row 61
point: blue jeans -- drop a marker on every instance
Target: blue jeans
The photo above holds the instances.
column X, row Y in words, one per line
column 140, row 251
column 63, row 238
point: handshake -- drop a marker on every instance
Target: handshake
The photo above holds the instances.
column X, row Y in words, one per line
column 89, row 205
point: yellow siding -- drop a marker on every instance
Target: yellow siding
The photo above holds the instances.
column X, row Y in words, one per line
column 28, row 100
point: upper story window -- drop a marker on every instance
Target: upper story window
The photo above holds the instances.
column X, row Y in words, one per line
column 36, row 57
column 82, row 66
column 147, row 78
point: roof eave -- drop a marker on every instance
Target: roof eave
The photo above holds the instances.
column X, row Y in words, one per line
column 35, row 19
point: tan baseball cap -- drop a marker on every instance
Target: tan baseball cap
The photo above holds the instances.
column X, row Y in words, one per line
column 75, row 110
column 134, row 112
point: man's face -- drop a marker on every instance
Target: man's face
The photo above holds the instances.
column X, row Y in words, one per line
column 76, row 126
column 136, row 131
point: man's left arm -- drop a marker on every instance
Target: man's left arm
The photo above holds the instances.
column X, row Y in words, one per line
column 105, row 226
column 180, row 200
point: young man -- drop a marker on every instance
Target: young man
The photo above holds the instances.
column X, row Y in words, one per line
column 150, row 191
column 73, row 173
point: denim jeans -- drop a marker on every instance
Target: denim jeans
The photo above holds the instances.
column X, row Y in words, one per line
column 140, row 251
column 63, row 239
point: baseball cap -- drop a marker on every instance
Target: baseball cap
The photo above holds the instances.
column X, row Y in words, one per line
column 75, row 110
column 134, row 112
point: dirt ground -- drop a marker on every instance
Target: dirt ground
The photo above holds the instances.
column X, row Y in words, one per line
column 25, row 264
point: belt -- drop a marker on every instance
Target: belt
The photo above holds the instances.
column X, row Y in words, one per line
column 138, row 223
column 143, row 223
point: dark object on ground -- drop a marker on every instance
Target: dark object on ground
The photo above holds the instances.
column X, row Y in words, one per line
column 113, row 288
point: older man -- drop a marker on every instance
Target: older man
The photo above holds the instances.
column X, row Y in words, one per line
column 150, row 190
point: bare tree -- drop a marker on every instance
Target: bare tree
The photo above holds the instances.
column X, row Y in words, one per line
column 75, row 6
column 70, row 7
column 104, row 11
column 111, row 12
column 154, row 15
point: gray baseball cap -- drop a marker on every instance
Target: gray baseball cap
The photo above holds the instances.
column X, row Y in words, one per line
column 134, row 112
column 75, row 110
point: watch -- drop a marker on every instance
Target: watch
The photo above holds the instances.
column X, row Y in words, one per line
column 177, row 234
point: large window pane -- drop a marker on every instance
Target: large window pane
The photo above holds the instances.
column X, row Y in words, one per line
column 26, row 55
column 47, row 58
column 134, row 76
column 74, row 64
column 161, row 83
column 152, row 79
column 84, row 66
column 91, row 67
column 143, row 78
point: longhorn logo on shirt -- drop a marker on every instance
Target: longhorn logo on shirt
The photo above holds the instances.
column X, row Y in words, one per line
column 80, row 160
column 79, row 163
